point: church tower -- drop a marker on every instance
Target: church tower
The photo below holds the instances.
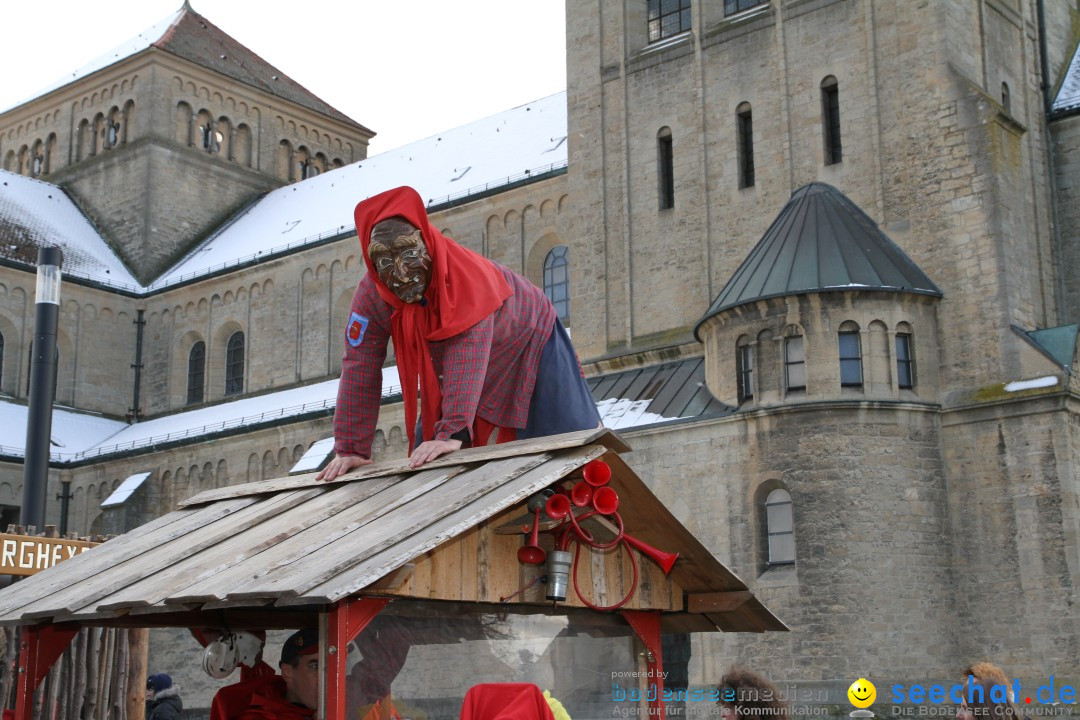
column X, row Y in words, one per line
column 165, row 137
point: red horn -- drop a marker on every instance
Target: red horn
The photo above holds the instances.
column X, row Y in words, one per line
column 597, row 472
column 581, row 494
column 665, row 560
column 605, row 500
column 557, row 507
column 531, row 553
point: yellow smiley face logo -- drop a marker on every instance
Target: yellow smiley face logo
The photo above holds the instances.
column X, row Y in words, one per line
column 862, row 693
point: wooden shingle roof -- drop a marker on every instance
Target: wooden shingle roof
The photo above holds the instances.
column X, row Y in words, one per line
column 264, row 551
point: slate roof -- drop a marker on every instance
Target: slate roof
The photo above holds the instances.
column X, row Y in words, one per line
column 821, row 241
column 1067, row 101
column 656, row 394
column 36, row 214
column 294, row 543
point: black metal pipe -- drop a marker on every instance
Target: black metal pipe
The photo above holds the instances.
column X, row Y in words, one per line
column 64, row 496
column 42, row 388
column 135, row 413
column 1044, row 62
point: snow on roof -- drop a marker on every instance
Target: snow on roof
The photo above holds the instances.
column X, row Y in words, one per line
column 77, row 436
column 513, row 145
column 1068, row 97
column 126, row 49
column 621, row 413
column 315, row 456
column 72, row 432
column 38, row 214
column 126, row 489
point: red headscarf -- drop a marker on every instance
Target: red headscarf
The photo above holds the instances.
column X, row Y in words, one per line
column 465, row 288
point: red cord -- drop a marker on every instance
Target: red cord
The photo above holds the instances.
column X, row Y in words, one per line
column 616, row 606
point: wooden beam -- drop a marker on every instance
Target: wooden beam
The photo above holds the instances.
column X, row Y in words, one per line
column 718, row 602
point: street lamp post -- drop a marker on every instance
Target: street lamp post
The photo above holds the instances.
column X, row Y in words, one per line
column 42, row 387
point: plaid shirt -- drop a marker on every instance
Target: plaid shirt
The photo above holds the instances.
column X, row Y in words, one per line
column 487, row 371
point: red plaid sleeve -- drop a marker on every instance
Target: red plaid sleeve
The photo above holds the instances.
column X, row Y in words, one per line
column 461, row 363
column 360, row 387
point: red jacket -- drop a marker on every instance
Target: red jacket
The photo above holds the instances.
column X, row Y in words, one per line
column 268, row 703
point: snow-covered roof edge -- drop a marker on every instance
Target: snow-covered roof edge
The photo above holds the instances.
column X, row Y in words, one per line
column 1068, row 97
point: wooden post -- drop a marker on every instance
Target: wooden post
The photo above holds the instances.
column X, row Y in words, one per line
column 138, row 645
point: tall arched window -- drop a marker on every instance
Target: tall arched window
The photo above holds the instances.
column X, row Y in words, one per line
column 665, row 168
column 830, row 120
column 794, row 363
column 234, row 364
column 780, row 527
column 744, row 124
column 744, row 365
column 557, row 280
column 905, row 357
column 196, row 372
column 850, row 355
column 1, row 360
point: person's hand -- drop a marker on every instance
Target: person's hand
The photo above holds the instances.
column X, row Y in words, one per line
column 428, row 451
column 340, row 465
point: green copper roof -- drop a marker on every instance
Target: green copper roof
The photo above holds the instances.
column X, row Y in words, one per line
column 821, row 241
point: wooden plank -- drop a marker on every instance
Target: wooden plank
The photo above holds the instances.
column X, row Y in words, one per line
column 717, row 602
column 498, row 494
column 467, row 576
column 308, row 546
column 307, row 508
column 118, row 576
column 390, row 528
column 112, row 553
column 486, row 453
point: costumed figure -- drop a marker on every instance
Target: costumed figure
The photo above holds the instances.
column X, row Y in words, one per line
column 484, row 346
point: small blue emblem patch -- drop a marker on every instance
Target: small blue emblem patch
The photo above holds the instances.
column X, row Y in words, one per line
column 354, row 333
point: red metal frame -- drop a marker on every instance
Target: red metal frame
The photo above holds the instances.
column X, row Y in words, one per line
column 39, row 647
column 647, row 626
column 345, row 621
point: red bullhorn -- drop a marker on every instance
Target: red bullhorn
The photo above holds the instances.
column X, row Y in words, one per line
column 605, row 500
column 531, row 553
column 581, row 494
column 597, row 473
column 557, row 507
column 665, row 560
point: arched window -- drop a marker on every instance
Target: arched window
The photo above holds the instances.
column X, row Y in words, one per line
column 1, row 360
column 744, row 365
column 780, row 528
column 665, row 168
column 1006, row 98
column 557, row 280
column 830, row 120
column 794, row 363
column 850, row 355
column 196, row 372
column 744, row 125
column 234, row 364
column 905, row 357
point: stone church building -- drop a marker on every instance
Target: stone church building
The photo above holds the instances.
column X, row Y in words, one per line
column 820, row 260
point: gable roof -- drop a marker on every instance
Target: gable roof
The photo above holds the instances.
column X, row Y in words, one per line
column 821, row 241
column 294, row 543
column 188, row 35
column 502, row 151
column 1067, row 101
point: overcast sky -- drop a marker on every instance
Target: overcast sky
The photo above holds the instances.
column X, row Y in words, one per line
column 406, row 69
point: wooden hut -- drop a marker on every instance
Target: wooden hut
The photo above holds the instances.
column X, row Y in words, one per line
column 434, row 549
